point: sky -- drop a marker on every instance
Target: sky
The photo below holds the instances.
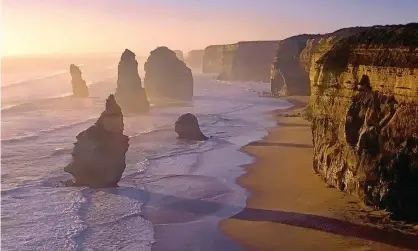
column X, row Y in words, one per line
column 37, row 27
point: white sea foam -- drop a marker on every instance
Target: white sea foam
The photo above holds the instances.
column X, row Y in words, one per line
column 39, row 215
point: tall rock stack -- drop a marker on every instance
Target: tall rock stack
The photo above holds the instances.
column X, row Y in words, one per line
column 167, row 77
column 365, row 117
column 99, row 153
column 79, row 86
column 129, row 92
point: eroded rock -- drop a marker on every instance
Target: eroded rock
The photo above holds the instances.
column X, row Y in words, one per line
column 99, row 153
column 365, row 117
column 129, row 92
column 167, row 77
column 187, row 127
column 79, row 85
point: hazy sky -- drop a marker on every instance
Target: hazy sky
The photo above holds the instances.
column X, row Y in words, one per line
column 95, row 26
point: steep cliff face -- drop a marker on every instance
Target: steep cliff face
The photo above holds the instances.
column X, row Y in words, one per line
column 194, row 59
column 248, row 61
column 365, row 117
column 288, row 77
column 295, row 57
column 212, row 59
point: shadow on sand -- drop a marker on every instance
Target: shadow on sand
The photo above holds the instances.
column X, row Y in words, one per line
column 264, row 143
column 307, row 221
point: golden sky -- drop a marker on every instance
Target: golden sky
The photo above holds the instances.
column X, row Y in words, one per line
column 107, row 26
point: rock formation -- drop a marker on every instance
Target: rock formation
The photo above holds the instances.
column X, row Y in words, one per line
column 80, row 88
column 248, row 61
column 99, row 153
column 187, row 127
column 291, row 67
column 179, row 54
column 365, row 117
column 212, row 59
column 129, row 92
column 194, row 59
column 167, row 77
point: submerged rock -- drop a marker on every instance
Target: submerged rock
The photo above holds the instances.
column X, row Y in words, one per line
column 129, row 92
column 187, row 127
column 80, row 88
column 167, row 77
column 99, row 153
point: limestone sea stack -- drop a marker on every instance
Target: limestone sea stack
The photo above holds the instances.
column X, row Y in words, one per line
column 79, row 86
column 167, row 77
column 99, row 153
column 187, row 127
column 248, row 61
column 364, row 105
column 130, row 94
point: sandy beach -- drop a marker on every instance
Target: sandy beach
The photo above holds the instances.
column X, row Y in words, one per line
column 291, row 208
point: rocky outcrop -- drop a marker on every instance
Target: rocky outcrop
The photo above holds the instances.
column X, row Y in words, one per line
column 194, row 59
column 288, row 77
column 248, row 61
column 364, row 117
column 179, row 54
column 79, row 86
column 187, row 127
column 212, row 59
column 291, row 67
column 129, row 92
column 99, row 153
column 167, row 77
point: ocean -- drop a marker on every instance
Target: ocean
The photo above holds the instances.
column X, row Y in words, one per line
column 40, row 120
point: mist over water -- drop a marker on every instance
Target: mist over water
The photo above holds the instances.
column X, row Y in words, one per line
column 39, row 125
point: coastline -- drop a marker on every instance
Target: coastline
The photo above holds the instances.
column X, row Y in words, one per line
column 291, row 208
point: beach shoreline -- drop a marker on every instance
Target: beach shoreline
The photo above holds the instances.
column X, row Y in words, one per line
column 291, row 208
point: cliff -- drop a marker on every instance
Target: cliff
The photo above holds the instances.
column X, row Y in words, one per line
column 364, row 117
column 212, row 59
column 296, row 55
column 194, row 59
column 248, row 61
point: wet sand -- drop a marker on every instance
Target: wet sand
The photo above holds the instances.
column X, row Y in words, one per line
column 291, row 208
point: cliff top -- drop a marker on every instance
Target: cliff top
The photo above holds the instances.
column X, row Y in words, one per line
column 375, row 37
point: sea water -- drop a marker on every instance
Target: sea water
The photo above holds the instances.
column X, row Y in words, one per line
column 40, row 121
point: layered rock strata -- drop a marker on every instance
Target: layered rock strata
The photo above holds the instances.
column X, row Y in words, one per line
column 364, row 106
column 130, row 94
column 167, row 77
column 291, row 67
column 99, row 153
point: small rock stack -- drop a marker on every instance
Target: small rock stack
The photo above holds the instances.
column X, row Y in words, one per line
column 99, row 153
column 80, row 88
column 187, row 127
